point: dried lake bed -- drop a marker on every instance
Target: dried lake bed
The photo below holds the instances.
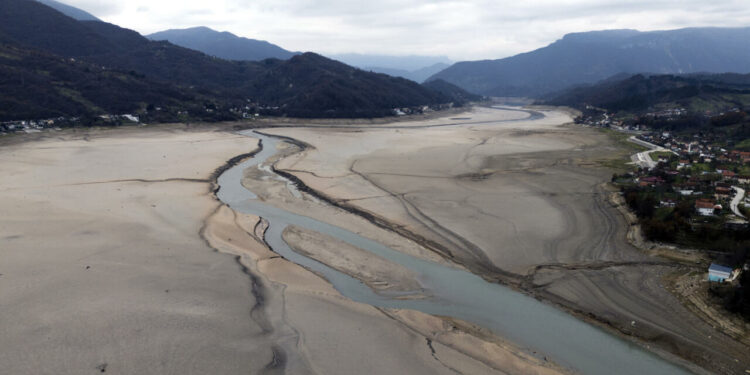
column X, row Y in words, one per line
column 116, row 253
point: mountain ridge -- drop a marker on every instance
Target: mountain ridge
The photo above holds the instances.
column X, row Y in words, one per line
column 585, row 58
column 222, row 44
column 70, row 11
column 697, row 94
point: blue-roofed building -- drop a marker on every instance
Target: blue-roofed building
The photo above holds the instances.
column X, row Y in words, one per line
column 718, row 273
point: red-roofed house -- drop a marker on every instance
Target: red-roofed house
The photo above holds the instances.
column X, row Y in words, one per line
column 705, row 207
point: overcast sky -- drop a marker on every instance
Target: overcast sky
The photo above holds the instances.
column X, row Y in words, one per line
column 461, row 30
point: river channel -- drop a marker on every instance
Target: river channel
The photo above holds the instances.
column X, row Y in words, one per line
column 528, row 323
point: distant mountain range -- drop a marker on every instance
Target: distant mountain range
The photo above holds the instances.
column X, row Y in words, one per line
column 222, row 44
column 418, row 75
column 72, row 12
column 585, row 58
column 89, row 67
column 415, row 68
column 408, row 63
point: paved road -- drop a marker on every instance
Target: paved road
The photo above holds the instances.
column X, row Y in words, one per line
column 643, row 159
column 736, row 201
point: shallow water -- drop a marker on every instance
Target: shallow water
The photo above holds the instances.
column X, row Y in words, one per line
column 522, row 320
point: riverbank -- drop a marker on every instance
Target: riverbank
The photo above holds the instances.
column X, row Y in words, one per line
column 452, row 186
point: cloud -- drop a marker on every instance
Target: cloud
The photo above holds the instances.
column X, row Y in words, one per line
column 460, row 29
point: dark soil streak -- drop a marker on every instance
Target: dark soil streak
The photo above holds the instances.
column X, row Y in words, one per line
column 277, row 365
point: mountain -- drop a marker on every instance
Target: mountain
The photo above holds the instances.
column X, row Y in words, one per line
column 637, row 94
column 72, row 12
column 457, row 94
column 307, row 85
column 35, row 26
column 224, row 45
column 35, row 84
column 585, row 58
column 418, row 75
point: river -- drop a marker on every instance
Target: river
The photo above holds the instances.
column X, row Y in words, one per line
column 525, row 321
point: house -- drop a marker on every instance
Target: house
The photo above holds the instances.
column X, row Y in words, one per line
column 668, row 203
column 718, row 273
column 705, row 207
column 723, row 192
column 728, row 175
column 650, row 181
column 743, row 179
column 131, row 118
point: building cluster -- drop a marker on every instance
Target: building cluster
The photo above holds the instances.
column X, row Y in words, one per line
column 31, row 126
column 694, row 169
column 598, row 117
column 667, row 114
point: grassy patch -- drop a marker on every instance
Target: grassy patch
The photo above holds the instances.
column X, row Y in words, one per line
column 618, row 164
column 658, row 154
column 622, row 140
column 744, row 145
column 621, row 162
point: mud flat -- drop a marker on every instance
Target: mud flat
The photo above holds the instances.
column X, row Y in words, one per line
column 520, row 202
column 103, row 266
column 116, row 257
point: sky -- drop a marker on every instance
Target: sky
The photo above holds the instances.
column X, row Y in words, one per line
column 460, row 30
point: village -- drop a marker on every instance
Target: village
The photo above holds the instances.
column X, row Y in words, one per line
column 209, row 112
column 34, row 126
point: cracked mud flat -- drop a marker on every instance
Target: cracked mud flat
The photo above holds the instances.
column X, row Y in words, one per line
column 116, row 257
column 519, row 202
column 103, row 267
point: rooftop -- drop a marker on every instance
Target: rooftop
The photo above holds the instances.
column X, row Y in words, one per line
column 719, row 268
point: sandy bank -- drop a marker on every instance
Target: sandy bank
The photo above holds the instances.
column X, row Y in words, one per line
column 378, row 273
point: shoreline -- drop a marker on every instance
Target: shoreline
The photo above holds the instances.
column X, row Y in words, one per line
column 687, row 261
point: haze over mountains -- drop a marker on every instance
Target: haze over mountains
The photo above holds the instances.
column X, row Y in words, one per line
column 415, row 68
column 418, row 75
column 72, row 12
column 222, row 44
column 584, row 58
